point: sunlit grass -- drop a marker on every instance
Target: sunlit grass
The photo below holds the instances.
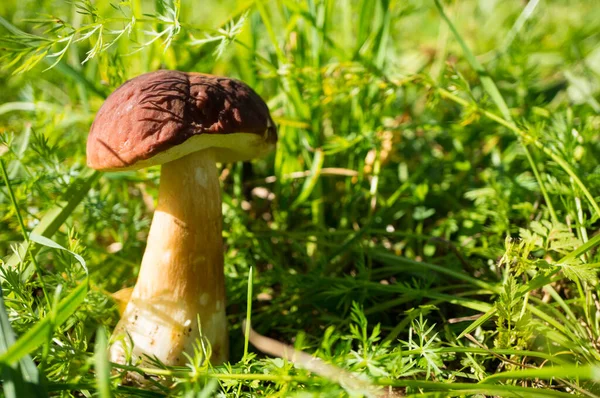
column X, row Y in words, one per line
column 428, row 222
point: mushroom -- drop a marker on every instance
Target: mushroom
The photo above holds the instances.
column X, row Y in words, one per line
column 186, row 122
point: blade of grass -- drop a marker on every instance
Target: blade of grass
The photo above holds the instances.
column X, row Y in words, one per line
column 588, row 372
column 248, row 315
column 531, row 140
column 492, row 90
column 542, row 186
column 13, row 200
column 352, row 240
column 486, row 81
column 20, row 379
column 462, row 301
column 401, row 326
column 54, row 218
column 478, row 322
column 525, row 15
column 42, row 240
column 17, row 210
column 383, row 35
column 392, row 259
column 102, row 364
column 126, row 391
column 497, row 351
column 311, row 181
column 581, row 249
column 36, row 336
column 291, row 88
column 552, row 320
column 462, row 389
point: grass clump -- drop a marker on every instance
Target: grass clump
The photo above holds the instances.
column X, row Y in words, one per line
column 428, row 223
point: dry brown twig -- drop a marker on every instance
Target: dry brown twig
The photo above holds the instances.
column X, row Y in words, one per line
column 348, row 380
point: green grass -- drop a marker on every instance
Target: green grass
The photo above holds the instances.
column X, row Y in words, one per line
column 428, row 222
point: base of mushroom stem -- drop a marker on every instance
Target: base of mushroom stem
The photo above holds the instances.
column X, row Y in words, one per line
column 148, row 330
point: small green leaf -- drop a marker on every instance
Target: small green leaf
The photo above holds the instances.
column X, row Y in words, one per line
column 42, row 240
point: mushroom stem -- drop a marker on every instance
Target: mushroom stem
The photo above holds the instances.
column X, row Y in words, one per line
column 181, row 276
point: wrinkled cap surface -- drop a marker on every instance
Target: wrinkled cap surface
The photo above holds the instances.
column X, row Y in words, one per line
column 164, row 115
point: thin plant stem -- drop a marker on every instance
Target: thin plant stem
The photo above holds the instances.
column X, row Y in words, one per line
column 542, row 186
column 248, row 314
column 13, row 199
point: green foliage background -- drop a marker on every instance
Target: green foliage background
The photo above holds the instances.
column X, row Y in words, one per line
column 429, row 219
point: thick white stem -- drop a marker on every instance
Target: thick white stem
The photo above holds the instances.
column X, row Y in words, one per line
column 181, row 276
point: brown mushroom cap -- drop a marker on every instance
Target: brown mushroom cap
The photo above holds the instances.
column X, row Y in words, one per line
column 164, row 115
